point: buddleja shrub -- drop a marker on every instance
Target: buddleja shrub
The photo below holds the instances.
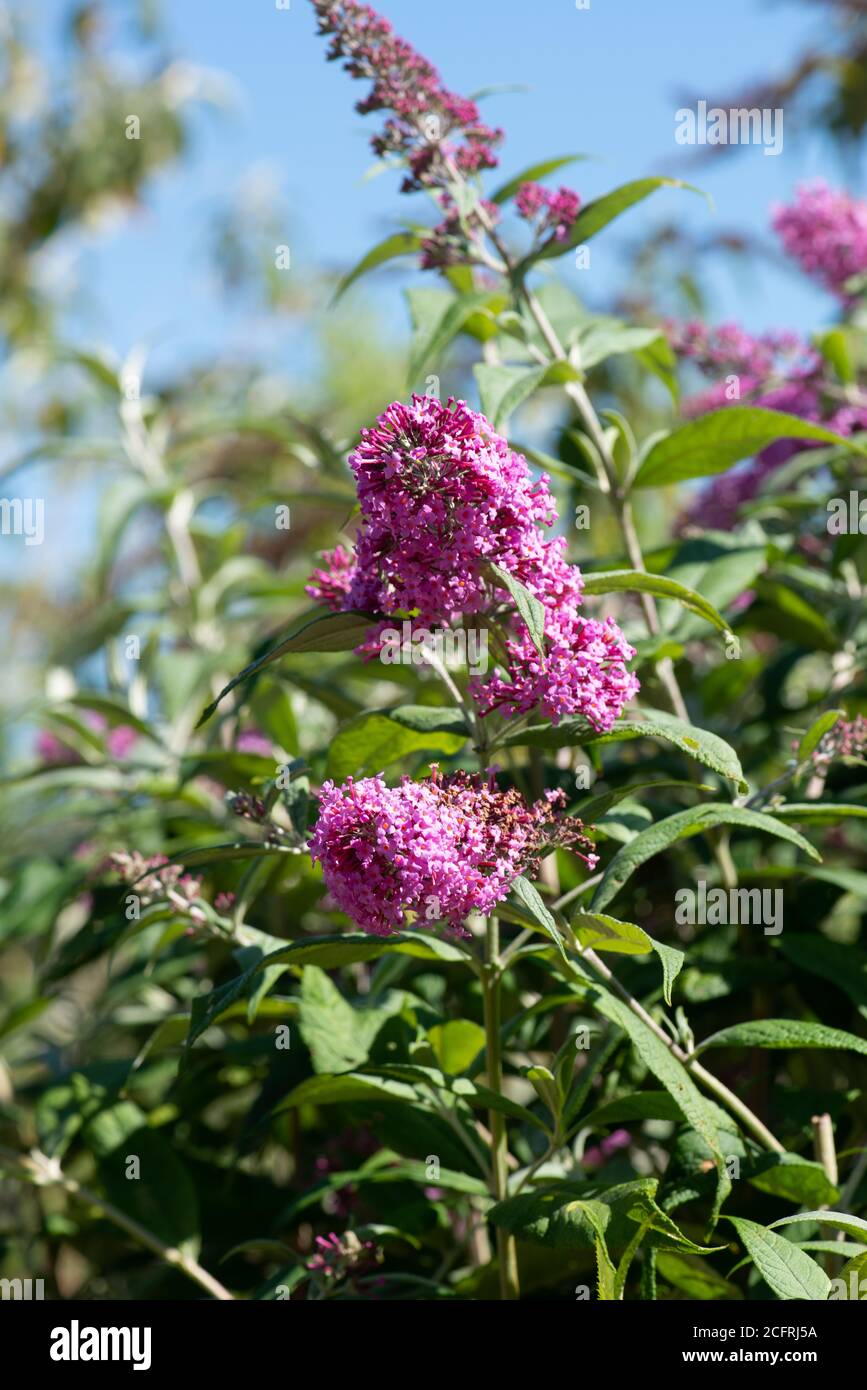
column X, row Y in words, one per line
column 352, row 1015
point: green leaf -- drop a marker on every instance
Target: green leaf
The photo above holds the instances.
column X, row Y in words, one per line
column 429, row 719
column 399, row 244
column 338, row 1036
column 659, row 358
column 603, row 336
column 566, row 1215
column 672, row 964
column 534, row 907
column 715, row 441
column 671, row 1073
column 437, row 323
column 162, row 1196
column 602, row 933
column 531, row 610
column 471, row 1092
column 794, row 1178
column 598, row 805
column 601, row 211
column 502, row 389
column 850, row 880
column 643, row 1105
column 700, row 744
column 720, row 581
column 820, row 812
column 329, row 953
column 835, row 346
column 456, row 1044
column 346, row 1089
column 784, row 1033
column 785, row 1269
column 682, row 825
column 335, row 632
column 607, row 1287
column 694, row 1277
column 636, row 581
column 844, row 965
column 816, row 732
column 533, row 174
column 840, row 1221
column 854, row 1275
column 643, row 1208
column 370, row 742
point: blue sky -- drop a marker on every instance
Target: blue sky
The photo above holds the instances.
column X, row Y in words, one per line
column 605, row 81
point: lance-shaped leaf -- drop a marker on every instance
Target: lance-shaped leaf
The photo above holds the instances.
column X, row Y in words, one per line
column 533, row 908
column 527, row 604
column 438, row 321
column 370, row 742
column 398, row 244
column 794, row 1178
column 785, row 1269
column 636, row 581
column 784, row 1033
column 705, row 747
column 840, row 1221
column 681, row 826
column 672, row 1074
column 602, row 933
column 502, row 389
column 333, row 632
column 816, row 732
column 601, row 211
column 715, row 441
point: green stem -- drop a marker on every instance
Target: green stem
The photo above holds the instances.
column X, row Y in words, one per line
column 507, row 1254
column 711, row 1083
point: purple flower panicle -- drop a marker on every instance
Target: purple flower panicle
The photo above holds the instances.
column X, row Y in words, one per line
column 443, row 497
column 428, row 126
column 439, row 849
column 825, row 230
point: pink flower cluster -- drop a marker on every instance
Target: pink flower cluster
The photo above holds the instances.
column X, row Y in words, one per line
column 429, row 126
column 439, row 849
column 442, row 498
column 728, row 349
column 154, row 878
column 847, row 739
column 825, row 230
column 553, row 213
column 441, row 495
column 339, row 1255
column 583, row 673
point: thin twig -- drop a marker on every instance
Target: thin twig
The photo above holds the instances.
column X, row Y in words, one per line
column 38, row 1168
